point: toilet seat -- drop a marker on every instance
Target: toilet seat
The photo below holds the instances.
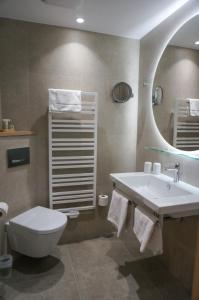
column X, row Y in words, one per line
column 36, row 232
column 40, row 220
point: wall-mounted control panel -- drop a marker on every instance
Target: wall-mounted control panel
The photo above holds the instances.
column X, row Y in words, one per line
column 18, row 157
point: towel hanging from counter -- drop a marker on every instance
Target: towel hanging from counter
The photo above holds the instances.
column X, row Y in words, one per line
column 148, row 231
column 64, row 100
column 193, row 107
column 118, row 211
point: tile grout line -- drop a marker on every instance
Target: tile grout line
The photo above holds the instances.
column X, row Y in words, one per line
column 74, row 273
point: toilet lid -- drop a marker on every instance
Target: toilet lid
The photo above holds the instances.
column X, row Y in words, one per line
column 40, row 219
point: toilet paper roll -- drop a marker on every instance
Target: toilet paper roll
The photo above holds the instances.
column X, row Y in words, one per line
column 3, row 209
column 103, row 200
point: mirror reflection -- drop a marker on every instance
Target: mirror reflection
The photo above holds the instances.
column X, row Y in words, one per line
column 177, row 114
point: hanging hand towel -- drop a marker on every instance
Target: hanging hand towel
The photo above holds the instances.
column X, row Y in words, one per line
column 194, row 107
column 155, row 243
column 118, row 211
column 148, row 231
column 64, row 100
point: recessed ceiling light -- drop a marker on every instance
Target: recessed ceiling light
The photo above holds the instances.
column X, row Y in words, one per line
column 80, row 20
column 197, row 43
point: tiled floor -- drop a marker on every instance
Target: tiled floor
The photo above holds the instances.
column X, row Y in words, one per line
column 96, row 269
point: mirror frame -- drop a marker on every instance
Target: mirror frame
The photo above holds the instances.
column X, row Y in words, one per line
column 154, row 69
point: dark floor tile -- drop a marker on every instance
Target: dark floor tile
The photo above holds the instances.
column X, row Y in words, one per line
column 154, row 280
column 173, row 291
column 47, row 278
column 134, row 270
column 105, row 269
column 105, row 283
column 98, row 252
column 99, row 269
column 32, row 290
column 150, row 294
column 26, row 268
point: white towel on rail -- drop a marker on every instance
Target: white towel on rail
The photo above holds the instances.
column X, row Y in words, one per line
column 118, row 211
column 64, row 100
column 148, row 231
column 194, row 107
column 155, row 243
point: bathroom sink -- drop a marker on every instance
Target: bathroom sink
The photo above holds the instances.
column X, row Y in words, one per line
column 159, row 192
column 151, row 186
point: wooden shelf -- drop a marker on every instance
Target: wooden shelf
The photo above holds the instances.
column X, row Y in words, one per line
column 16, row 133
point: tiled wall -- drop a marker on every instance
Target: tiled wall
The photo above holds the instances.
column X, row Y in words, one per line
column 179, row 237
column 36, row 57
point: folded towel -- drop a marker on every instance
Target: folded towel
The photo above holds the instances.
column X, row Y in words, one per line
column 64, row 100
column 148, row 231
column 193, row 107
column 118, row 211
column 155, row 243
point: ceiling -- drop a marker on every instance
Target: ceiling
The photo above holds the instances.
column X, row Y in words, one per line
column 127, row 18
column 187, row 35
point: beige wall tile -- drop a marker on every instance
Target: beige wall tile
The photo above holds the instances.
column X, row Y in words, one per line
column 37, row 57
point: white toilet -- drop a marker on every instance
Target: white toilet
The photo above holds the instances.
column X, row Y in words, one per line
column 36, row 232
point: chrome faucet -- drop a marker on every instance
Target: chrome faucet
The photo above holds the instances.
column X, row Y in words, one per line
column 176, row 172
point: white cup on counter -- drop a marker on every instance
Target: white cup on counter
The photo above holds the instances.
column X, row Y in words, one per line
column 147, row 167
column 156, row 168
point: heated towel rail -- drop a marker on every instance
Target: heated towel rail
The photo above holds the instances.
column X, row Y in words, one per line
column 72, row 157
column 186, row 127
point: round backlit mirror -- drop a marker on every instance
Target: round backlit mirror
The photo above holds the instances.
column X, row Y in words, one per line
column 177, row 116
column 122, row 92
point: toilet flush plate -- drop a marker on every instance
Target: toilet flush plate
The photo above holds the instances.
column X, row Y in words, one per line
column 18, row 157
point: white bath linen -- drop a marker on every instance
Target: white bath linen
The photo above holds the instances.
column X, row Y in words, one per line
column 118, row 211
column 194, row 107
column 155, row 243
column 148, row 231
column 64, row 100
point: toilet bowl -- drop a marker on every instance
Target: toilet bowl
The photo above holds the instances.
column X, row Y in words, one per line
column 36, row 232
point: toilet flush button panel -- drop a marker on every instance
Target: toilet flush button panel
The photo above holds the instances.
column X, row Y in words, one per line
column 18, row 157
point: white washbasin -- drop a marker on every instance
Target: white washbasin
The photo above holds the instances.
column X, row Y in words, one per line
column 151, row 186
column 159, row 192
